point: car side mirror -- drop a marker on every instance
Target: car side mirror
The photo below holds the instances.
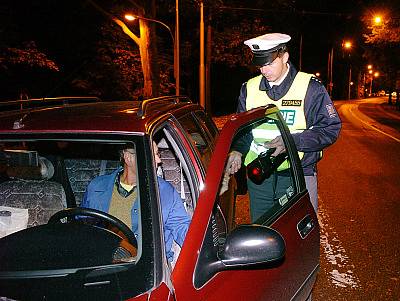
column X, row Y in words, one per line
column 246, row 247
column 252, row 244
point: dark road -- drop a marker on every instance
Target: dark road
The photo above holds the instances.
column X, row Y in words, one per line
column 359, row 206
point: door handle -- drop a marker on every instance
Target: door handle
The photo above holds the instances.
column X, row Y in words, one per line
column 305, row 226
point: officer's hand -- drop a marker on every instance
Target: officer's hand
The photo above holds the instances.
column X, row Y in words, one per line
column 278, row 144
column 234, row 162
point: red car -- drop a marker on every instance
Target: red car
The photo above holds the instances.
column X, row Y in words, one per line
column 50, row 149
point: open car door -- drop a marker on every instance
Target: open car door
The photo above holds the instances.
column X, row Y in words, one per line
column 239, row 250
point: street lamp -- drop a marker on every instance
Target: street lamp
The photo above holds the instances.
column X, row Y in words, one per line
column 376, row 74
column 347, row 45
column 369, row 67
column 202, row 82
column 377, row 20
column 131, row 17
column 330, row 72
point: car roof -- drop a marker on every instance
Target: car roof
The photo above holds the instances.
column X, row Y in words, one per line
column 90, row 115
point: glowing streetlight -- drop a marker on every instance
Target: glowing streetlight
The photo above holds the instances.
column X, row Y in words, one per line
column 369, row 67
column 131, row 17
column 347, row 45
column 378, row 20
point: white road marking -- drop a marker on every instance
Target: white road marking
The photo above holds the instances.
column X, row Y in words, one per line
column 341, row 273
column 353, row 107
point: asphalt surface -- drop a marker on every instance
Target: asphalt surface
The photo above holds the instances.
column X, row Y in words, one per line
column 359, row 206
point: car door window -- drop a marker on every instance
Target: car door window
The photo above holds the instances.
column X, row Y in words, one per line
column 207, row 124
column 197, row 137
column 174, row 168
column 266, row 183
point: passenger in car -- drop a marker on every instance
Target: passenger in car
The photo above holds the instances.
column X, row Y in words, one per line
column 116, row 194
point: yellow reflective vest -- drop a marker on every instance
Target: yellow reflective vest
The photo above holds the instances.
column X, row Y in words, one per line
column 292, row 109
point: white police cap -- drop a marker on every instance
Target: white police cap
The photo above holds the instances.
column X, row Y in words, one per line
column 265, row 48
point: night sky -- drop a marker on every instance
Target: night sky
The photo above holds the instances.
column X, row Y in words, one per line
column 67, row 30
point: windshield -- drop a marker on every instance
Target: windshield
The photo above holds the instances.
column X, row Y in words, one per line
column 100, row 184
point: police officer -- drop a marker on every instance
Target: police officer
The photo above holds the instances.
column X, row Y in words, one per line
column 316, row 124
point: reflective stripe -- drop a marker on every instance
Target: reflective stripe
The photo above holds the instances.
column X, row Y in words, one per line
column 293, row 113
column 266, row 134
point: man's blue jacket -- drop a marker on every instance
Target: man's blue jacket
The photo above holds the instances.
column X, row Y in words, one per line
column 175, row 219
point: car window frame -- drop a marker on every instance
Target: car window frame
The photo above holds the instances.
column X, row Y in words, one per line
column 194, row 169
column 218, row 226
column 296, row 172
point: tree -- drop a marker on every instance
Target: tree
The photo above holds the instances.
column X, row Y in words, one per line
column 146, row 40
column 27, row 60
column 22, row 61
column 28, row 55
column 382, row 40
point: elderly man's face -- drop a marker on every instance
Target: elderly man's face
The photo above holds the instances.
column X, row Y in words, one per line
column 129, row 157
column 277, row 69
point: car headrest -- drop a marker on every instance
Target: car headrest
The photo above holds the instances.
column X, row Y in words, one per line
column 44, row 171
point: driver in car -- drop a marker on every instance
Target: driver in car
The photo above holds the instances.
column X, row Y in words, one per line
column 116, row 194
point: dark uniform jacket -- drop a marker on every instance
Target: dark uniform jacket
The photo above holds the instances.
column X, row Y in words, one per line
column 323, row 122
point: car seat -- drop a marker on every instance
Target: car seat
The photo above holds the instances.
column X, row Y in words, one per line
column 81, row 171
column 29, row 188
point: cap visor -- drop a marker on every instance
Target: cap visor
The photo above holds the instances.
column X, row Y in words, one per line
column 264, row 59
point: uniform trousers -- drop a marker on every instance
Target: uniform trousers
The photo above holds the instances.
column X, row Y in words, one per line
column 277, row 189
column 312, row 187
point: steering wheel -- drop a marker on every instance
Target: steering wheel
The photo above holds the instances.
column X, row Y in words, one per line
column 100, row 215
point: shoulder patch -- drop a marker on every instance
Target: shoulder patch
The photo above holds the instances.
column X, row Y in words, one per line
column 331, row 110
